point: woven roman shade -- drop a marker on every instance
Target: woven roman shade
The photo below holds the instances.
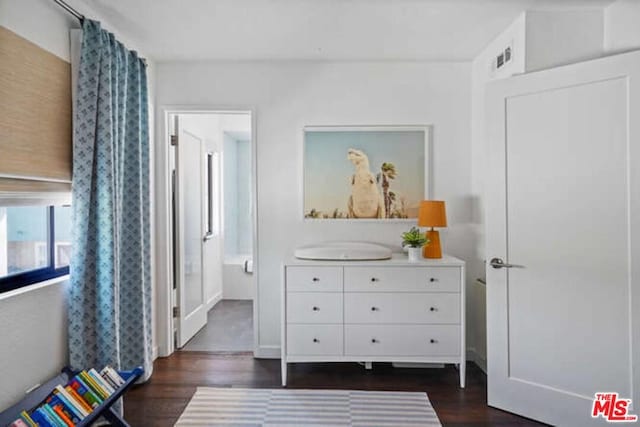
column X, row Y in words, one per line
column 35, row 117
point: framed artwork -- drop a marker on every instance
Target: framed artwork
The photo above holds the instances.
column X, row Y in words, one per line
column 365, row 172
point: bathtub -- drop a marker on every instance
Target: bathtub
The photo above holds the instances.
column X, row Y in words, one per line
column 237, row 277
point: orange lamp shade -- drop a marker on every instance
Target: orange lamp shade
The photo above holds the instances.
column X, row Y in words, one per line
column 432, row 214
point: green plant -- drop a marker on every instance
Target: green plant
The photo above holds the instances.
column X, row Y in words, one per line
column 414, row 238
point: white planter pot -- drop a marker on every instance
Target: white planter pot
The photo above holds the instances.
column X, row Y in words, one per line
column 415, row 254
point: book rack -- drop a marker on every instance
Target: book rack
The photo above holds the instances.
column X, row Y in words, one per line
column 36, row 396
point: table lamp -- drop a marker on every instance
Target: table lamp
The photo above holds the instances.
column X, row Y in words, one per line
column 432, row 214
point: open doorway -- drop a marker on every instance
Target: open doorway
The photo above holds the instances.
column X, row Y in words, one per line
column 213, row 231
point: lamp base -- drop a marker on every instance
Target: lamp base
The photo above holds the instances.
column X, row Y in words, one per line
column 432, row 249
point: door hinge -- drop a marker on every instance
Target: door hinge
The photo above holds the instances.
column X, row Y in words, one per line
column 176, row 311
column 174, row 140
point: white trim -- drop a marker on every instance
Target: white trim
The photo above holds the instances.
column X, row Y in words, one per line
column 34, row 178
column 214, row 300
column 33, row 287
column 428, row 167
column 267, row 352
column 162, row 197
column 475, row 357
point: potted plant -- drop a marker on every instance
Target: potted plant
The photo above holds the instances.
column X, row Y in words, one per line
column 414, row 239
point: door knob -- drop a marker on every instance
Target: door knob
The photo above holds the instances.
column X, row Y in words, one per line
column 499, row 263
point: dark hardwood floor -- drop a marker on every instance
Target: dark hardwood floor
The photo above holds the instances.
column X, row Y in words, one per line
column 162, row 399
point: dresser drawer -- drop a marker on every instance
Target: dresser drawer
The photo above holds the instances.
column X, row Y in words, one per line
column 314, row 307
column 438, row 279
column 314, row 340
column 314, row 279
column 402, row 279
column 402, row 340
column 373, row 307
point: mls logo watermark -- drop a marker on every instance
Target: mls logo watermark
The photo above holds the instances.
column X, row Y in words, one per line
column 612, row 408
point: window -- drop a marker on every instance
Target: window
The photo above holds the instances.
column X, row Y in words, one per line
column 35, row 244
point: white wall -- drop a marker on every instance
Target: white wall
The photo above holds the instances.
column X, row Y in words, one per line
column 33, row 327
column 230, row 192
column 290, row 95
column 622, row 26
column 555, row 38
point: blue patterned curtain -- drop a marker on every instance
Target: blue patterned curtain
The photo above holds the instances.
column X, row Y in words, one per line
column 110, row 292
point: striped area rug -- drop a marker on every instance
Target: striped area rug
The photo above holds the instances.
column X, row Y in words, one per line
column 264, row 407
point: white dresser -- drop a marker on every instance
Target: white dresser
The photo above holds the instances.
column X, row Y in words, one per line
column 374, row 311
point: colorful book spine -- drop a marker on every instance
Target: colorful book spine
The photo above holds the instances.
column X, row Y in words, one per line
column 27, row 419
column 94, row 386
column 63, row 416
column 53, row 416
column 75, row 400
column 66, row 398
column 83, row 390
column 59, row 405
column 112, row 376
column 41, row 418
column 45, row 420
column 85, row 405
column 100, row 381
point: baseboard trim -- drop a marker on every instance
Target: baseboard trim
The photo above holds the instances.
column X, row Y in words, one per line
column 475, row 357
column 267, row 352
column 154, row 352
column 214, row 300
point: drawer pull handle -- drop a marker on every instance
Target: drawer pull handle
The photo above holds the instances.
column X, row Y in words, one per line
column 316, row 308
column 432, row 279
column 374, row 308
column 374, row 341
column 374, row 279
column 315, row 279
column 433, row 309
column 432, row 341
column 316, row 340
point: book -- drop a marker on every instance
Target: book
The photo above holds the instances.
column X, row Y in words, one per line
column 84, row 391
column 113, row 375
column 56, row 401
column 39, row 417
column 101, row 382
column 27, row 419
column 58, row 409
column 77, row 398
column 66, row 399
column 108, row 380
column 53, row 416
column 94, row 386
column 76, row 402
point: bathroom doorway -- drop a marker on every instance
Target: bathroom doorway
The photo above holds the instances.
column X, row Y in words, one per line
column 213, row 230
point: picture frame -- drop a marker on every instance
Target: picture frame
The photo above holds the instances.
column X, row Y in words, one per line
column 365, row 173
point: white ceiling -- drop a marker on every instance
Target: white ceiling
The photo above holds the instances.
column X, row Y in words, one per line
column 442, row 30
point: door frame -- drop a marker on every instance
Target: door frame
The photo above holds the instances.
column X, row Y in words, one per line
column 161, row 188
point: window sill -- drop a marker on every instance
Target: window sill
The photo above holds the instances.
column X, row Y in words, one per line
column 33, row 287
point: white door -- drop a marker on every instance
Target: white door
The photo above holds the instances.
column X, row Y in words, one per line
column 190, row 233
column 563, row 200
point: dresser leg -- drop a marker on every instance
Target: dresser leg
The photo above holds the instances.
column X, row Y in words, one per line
column 283, row 369
column 368, row 366
column 463, row 374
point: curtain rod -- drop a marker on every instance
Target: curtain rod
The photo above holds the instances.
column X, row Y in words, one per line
column 69, row 9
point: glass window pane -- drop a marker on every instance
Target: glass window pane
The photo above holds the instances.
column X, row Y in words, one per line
column 62, row 216
column 23, row 239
